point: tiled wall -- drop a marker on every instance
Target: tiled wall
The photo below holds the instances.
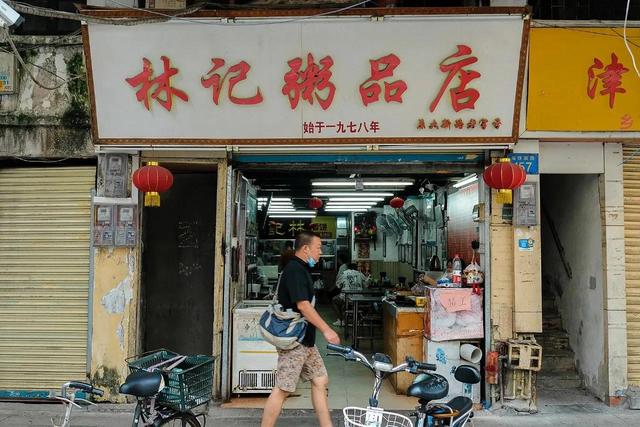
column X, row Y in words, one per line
column 462, row 230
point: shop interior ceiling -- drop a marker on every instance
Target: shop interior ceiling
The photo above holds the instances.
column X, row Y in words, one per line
column 295, row 180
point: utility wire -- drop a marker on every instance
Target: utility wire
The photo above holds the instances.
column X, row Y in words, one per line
column 196, row 21
column 624, row 32
column 24, row 65
column 51, row 13
column 53, row 73
column 40, row 161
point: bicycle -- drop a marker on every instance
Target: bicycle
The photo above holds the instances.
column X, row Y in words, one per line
column 71, row 400
column 169, row 388
column 381, row 366
column 426, row 387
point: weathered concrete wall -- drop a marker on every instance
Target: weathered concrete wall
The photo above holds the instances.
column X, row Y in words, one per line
column 574, row 205
column 115, row 308
column 39, row 122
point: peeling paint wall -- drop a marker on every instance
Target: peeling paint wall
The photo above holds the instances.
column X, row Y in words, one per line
column 115, row 299
column 39, row 122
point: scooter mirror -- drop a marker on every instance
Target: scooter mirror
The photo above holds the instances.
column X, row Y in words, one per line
column 467, row 374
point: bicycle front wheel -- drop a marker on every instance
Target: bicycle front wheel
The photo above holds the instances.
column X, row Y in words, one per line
column 181, row 420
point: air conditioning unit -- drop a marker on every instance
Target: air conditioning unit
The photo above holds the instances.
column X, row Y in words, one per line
column 166, row 4
column 254, row 361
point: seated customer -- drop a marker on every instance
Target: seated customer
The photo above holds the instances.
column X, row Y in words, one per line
column 351, row 279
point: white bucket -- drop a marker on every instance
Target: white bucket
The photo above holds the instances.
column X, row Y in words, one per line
column 470, row 353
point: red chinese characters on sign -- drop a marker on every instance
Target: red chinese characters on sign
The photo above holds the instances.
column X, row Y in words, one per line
column 611, row 78
column 626, row 121
column 159, row 88
column 238, row 72
column 382, row 68
column 309, row 82
column 461, row 97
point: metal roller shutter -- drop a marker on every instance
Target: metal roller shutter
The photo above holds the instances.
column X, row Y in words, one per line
column 44, row 275
column 632, row 261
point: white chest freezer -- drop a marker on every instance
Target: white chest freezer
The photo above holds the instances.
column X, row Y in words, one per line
column 254, row 361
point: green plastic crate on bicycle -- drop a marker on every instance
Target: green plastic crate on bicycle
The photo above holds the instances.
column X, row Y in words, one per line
column 187, row 385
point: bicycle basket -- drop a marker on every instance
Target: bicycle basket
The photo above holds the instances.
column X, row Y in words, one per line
column 187, row 385
column 373, row 417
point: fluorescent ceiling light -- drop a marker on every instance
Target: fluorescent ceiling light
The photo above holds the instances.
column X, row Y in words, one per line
column 347, row 207
column 307, row 212
column 388, row 183
column 291, row 211
column 293, row 215
column 466, row 180
column 356, row 199
column 332, row 203
column 274, row 199
column 352, row 194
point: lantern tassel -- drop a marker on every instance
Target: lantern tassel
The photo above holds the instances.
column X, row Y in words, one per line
column 152, row 199
column 504, row 196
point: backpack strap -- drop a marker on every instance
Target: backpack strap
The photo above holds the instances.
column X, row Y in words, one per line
column 275, row 294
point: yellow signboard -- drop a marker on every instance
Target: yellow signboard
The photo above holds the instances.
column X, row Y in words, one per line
column 582, row 79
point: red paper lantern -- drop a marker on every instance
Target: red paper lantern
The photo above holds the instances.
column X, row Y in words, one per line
column 504, row 176
column 152, row 180
column 396, row 203
column 315, row 203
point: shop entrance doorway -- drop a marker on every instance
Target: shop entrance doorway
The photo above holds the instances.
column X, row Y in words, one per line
column 392, row 247
column 573, row 287
column 178, row 266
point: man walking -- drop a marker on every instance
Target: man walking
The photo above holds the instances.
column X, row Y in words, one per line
column 304, row 361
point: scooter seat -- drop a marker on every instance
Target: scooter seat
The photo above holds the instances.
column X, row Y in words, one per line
column 428, row 387
column 142, row 384
column 461, row 404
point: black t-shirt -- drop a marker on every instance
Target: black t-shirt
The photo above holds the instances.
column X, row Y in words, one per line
column 296, row 285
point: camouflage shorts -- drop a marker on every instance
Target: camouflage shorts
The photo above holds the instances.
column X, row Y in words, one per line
column 300, row 362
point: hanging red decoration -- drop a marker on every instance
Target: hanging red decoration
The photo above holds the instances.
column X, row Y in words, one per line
column 396, row 203
column 315, row 203
column 152, row 179
column 504, row 176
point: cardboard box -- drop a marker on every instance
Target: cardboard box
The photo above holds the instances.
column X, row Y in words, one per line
column 166, row 4
column 453, row 314
column 446, row 356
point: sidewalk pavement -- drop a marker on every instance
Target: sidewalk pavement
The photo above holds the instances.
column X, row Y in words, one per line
column 108, row 415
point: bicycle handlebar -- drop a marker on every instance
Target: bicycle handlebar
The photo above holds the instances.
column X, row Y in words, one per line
column 340, row 348
column 84, row 387
column 426, row 366
column 415, row 365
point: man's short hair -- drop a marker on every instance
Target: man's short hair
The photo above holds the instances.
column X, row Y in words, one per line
column 352, row 266
column 304, row 238
column 288, row 244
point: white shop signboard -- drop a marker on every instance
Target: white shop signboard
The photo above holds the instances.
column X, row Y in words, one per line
column 334, row 80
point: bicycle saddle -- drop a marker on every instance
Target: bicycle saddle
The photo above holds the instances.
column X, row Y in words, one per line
column 142, row 384
column 429, row 387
